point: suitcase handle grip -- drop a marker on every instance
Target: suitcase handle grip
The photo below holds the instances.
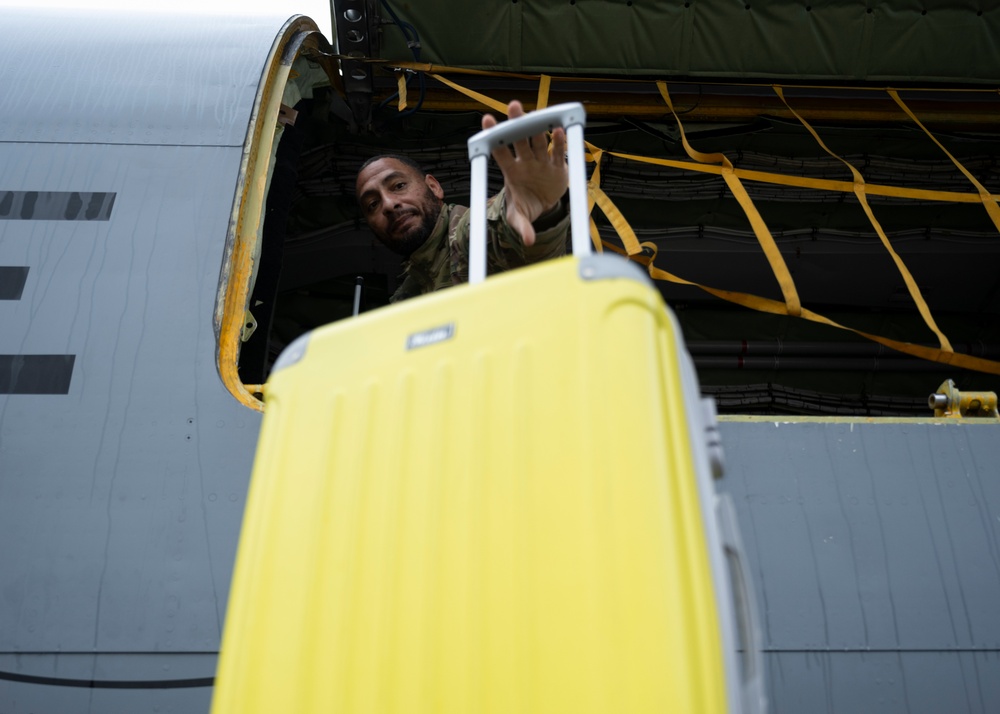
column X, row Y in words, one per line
column 572, row 117
column 536, row 122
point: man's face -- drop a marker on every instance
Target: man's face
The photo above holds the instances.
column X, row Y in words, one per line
column 400, row 205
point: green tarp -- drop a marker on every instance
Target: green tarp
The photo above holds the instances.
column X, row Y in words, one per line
column 830, row 40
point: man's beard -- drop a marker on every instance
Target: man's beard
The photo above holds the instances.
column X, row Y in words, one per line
column 416, row 236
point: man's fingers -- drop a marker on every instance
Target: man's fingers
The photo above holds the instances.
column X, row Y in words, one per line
column 504, row 158
column 522, row 148
column 559, row 147
column 514, row 110
column 502, row 155
column 540, row 147
column 536, row 146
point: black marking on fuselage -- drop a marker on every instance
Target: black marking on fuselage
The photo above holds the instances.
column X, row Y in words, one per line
column 109, row 683
column 12, row 281
column 56, row 205
column 36, row 374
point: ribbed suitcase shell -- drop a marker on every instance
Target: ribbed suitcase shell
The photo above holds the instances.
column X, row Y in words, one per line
column 506, row 520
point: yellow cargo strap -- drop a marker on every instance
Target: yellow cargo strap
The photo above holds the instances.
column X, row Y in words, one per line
column 872, row 189
column 859, row 191
column 775, row 307
column 617, row 220
column 634, row 250
column 401, row 88
column 596, row 195
column 989, row 202
column 595, row 236
column 543, row 92
column 764, row 237
column 481, row 98
column 594, row 182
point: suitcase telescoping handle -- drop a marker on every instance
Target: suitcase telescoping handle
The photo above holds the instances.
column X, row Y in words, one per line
column 572, row 118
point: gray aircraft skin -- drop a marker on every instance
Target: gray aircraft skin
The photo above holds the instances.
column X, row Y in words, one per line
column 874, row 550
column 873, row 545
column 124, row 460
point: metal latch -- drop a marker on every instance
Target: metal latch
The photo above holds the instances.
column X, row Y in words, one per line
column 948, row 401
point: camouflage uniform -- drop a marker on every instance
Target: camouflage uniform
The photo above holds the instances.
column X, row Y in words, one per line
column 443, row 260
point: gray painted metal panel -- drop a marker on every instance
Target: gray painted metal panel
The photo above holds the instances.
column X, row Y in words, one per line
column 915, row 682
column 875, row 553
column 120, row 502
column 100, row 76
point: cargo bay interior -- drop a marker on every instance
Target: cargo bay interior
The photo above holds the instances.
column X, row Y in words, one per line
column 315, row 244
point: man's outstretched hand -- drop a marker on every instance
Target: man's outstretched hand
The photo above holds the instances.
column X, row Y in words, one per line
column 534, row 178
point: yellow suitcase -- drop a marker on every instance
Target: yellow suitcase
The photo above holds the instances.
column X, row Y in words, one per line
column 494, row 498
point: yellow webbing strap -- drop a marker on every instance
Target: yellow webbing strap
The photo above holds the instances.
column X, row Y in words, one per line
column 859, row 191
column 401, row 88
column 617, row 220
column 543, row 92
column 633, row 249
column 989, row 202
column 595, row 237
column 594, row 182
column 764, row 237
column 596, row 194
column 594, row 155
column 481, row 98
column 774, row 307
column 872, row 189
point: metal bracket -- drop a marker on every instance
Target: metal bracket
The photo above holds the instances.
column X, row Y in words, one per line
column 948, row 401
column 358, row 40
column 249, row 326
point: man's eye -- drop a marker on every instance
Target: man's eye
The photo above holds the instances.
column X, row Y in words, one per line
column 401, row 184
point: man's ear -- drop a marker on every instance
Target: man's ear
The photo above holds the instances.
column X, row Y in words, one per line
column 434, row 186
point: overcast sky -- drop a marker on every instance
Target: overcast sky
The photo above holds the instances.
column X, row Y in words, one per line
column 318, row 10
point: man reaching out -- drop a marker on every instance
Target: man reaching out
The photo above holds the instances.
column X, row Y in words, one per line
column 527, row 220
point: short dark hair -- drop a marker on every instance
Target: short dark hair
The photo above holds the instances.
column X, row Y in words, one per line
column 406, row 160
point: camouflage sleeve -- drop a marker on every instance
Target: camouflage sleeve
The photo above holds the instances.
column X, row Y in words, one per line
column 505, row 249
column 409, row 288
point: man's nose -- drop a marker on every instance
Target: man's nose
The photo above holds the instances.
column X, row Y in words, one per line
column 390, row 204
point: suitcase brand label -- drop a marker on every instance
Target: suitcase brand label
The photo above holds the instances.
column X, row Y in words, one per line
column 430, row 337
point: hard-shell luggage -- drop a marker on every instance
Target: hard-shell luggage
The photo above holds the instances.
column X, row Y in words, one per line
column 495, row 498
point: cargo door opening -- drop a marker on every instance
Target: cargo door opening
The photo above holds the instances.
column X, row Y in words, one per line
column 315, row 243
